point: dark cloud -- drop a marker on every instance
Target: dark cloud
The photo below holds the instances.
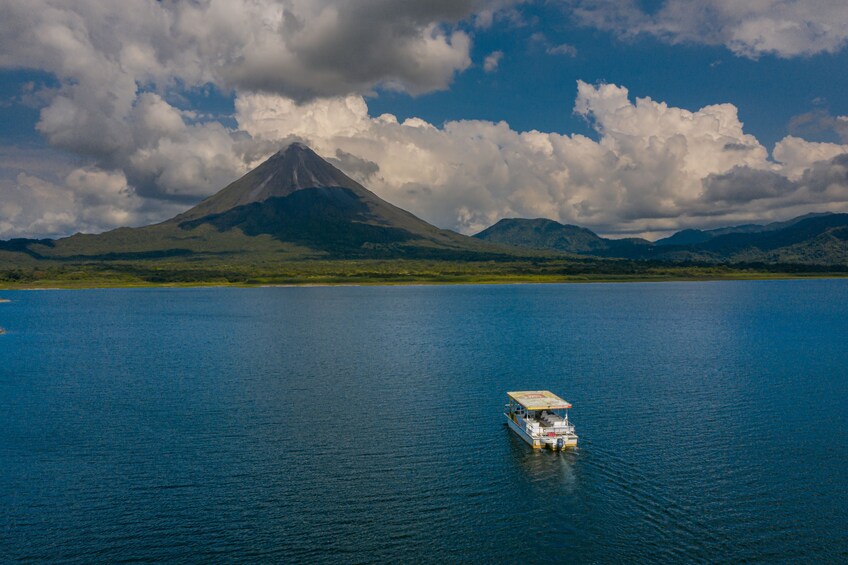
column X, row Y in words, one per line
column 819, row 125
column 822, row 184
column 345, row 47
column 827, row 177
column 744, row 184
column 737, row 147
column 359, row 169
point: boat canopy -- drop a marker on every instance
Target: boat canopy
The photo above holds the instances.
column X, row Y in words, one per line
column 538, row 400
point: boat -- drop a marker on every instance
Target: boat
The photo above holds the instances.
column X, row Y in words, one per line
column 540, row 418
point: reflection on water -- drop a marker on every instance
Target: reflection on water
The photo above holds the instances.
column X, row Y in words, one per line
column 554, row 469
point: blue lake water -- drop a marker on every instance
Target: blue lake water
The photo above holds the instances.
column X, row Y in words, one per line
column 364, row 424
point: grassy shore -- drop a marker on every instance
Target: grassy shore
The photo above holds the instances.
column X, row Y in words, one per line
column 390, row 272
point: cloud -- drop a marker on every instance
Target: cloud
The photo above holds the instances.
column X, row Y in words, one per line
column 796, row 155
column 562, row 49
column 85, row 199
column 298, row 48
column 540, row 39
column 652, row 169
column 161, row 155
column 817, row 123
column 822, row 186
column 785, row 28
column 360, row 168
column 45, row 193
column 119, row 67
column 492, row 60
column 300, row 69
column 743, row 184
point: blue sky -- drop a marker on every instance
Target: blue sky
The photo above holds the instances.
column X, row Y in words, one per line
column 123, row 115
column 534, row 90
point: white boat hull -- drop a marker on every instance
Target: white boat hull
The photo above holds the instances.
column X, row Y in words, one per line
column 538, row 442
column 522, row 433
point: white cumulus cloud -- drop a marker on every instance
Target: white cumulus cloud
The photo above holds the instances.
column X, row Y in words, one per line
column 301, row 68
column 652, row 169
column 117, row 62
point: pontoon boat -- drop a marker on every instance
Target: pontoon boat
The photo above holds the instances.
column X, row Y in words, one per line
column 540, row 418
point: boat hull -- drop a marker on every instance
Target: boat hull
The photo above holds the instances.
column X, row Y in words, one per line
column 522, row 433
column 541, row 443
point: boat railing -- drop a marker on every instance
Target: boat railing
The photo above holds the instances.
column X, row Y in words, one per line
column 536, row 425
column 568, row 429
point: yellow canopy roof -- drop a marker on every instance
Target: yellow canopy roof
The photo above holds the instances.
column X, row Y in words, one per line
column 538, row 400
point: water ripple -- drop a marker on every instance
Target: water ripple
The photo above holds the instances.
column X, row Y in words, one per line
column 363, row 424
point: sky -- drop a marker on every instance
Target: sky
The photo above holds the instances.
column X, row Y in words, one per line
column 631, row 118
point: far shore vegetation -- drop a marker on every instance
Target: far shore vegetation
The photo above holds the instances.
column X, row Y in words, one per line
column 387, row 272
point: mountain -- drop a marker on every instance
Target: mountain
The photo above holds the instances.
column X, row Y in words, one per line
column 295, row 168
column 293, row 205
column 693, row 236
column 820, row 239
column 814, row 239
column 298, row 197
column 542, row 233
column 686, row 237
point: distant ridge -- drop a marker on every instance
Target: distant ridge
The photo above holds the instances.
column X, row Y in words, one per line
column 541, row 233
column 813, row 239
column 695, row 236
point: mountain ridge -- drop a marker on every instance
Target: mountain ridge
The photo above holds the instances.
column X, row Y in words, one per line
column 690, row 236
column 815, row 239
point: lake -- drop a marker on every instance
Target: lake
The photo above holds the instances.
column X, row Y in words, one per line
column 364, row 424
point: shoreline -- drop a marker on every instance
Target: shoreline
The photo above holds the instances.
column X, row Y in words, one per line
column 104, row 285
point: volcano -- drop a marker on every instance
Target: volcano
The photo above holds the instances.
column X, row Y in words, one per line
column 294, row 168
column 295, row 204
column 298, row 197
